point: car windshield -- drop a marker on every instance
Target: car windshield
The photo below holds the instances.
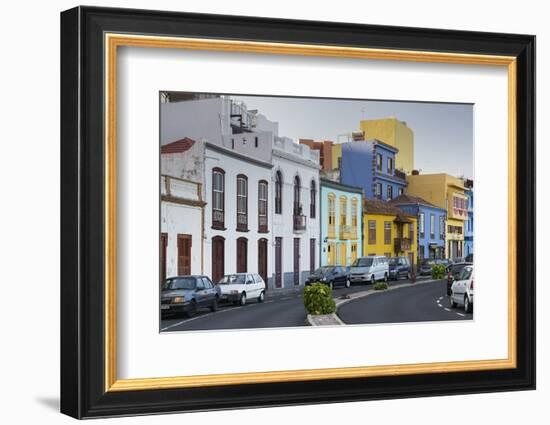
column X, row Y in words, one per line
column 363, row 262
column 179, row 283
column 466, row 273
column 394, row 261
column 232, row 279
column 322, row 270
column 457, row 269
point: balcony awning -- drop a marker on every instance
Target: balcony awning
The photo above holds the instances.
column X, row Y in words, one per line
column 401, row 219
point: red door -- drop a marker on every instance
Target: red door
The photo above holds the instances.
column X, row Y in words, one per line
column 218, row 258
column 278, row 262
column 163, row 245
column 242, row 254
column 262, row 259
column 296, row 261
column 184, row 254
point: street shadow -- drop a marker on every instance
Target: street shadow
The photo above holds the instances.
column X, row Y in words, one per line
column 49, row 402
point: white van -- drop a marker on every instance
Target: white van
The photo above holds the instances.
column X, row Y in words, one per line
column 369, row 269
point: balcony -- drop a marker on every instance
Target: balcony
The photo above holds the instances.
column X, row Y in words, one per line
column 348, row 232
column 299, row 223
column 401, row 244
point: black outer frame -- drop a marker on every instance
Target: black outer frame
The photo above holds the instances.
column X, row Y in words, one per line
column 82, row 219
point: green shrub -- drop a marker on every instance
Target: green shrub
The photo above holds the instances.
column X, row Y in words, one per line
column 380, row 286
column 438, row 271
column 318, row 299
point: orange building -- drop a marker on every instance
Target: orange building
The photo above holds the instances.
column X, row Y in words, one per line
column 325, row 152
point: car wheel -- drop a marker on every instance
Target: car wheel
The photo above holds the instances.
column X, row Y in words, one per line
column 348, row 283
column 261, row 297
column 242, row 300
column 453, row 304
column 192, row 309
column 372, row 279
column 467, row 305
column 214, row 306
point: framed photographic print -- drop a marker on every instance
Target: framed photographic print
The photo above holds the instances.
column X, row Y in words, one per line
column 261, row 212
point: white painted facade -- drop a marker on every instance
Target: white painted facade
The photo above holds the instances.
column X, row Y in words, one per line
column 182, row 211
column 292, row 160
column 255, row 150
column 234, row 164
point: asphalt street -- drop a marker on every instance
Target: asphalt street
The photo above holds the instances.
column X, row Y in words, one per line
column 278, row 310
column 417, row 303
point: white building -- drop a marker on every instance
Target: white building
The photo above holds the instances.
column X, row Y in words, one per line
column 181, row 227
column 296, row 222
column 241, row 162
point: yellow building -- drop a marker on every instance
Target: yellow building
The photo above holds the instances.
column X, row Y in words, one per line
column 336, row 156
column 388, row 231
column 446, row 192
column 394, row 133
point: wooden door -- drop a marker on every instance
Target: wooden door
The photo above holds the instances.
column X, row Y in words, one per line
column 343, row 254
column 242, row 254
column 162, row 259
column 296, row 261
column 279, row 262
column 262, row 259
column 184, row 254
column 218, row 258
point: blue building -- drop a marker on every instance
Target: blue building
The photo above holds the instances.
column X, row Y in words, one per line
column 469, row 224
column 341, row 212
column 370, row 164
column 431, row 225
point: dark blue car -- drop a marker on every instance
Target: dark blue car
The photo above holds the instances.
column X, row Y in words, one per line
column 331, row 276
column 188, row 294
column 400, row 267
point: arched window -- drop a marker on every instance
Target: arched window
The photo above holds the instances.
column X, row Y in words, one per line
column 262, row 206
column 343, row 210
column 354, row 206
column 331, row 215
column 297, row 201
column 242, row 202
column 313, row 199
column 278, row 192
column 218, row 198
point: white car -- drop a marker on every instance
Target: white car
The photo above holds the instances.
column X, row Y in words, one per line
column 462, row 289
column 369, row 269
column 240, row 287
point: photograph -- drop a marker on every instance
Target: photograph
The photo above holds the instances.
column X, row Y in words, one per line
column 281, row 212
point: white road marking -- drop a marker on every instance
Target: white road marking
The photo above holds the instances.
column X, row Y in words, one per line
column 460, row 314
column 212, row 313
column 447, row 309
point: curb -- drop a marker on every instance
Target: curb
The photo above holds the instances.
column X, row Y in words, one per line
column 324, row 320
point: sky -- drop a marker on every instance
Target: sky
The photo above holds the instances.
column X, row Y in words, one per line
column 443, row 132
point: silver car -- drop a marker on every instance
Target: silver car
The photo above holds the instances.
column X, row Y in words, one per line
column 462, row 289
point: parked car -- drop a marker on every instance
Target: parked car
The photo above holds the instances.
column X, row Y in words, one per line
column 369, row 269
column 462, row 289
column 240, row 287
column 453, row 271
column 331, row 276
column 399, row 267
column 425, row 267
column 187, row 294
column 445, row 262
